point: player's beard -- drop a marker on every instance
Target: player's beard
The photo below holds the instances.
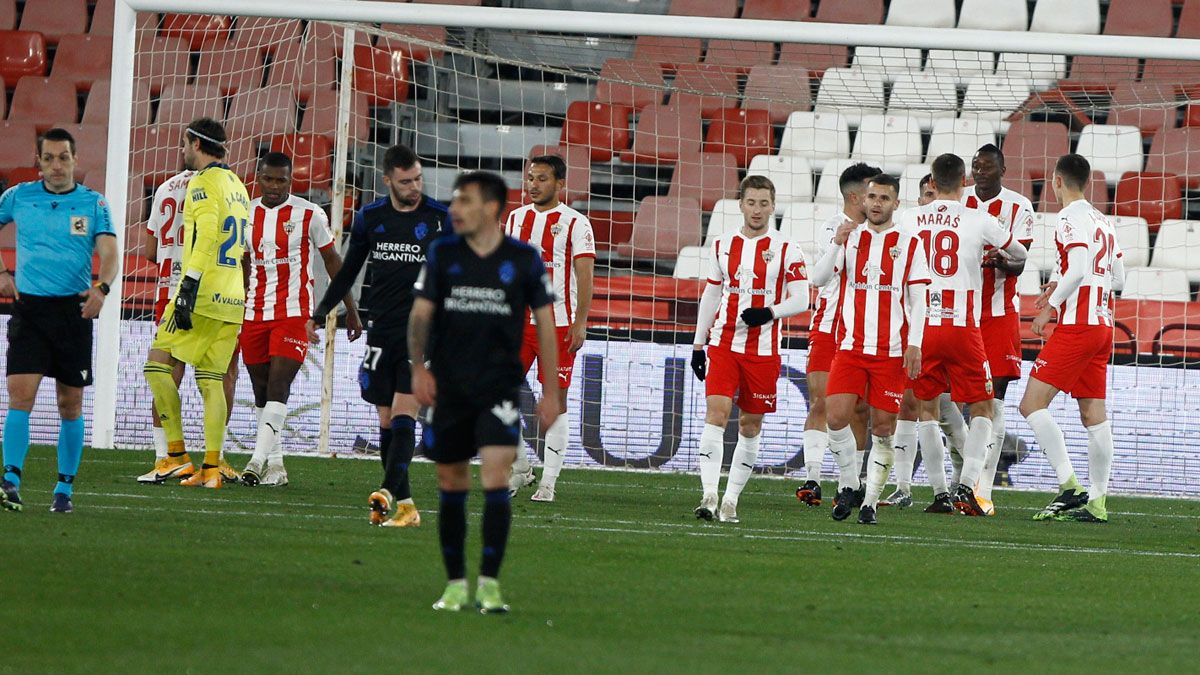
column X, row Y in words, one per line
column 403, row 201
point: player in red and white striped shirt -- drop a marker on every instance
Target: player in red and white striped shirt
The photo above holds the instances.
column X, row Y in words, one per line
column 564, row 237
column 954, row 239
column 884, row 277
column 281, row 234
column 756, row 279
column 1075, row 358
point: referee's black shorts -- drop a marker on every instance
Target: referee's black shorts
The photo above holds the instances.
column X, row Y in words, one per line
column 461, row 426
column 385, row 369
column 49, row 336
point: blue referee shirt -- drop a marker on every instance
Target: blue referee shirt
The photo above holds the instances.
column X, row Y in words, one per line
column 56, row 235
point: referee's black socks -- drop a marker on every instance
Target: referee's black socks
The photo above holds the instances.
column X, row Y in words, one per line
column 497, row 520
column 399, row 456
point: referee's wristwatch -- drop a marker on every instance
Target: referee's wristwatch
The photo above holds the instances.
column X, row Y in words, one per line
column 103, row 288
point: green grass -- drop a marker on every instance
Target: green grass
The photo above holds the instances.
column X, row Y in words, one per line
column 615, row 576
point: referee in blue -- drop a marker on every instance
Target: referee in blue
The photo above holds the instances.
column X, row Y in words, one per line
column 60, row 224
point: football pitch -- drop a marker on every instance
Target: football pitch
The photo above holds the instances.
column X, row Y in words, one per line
column 617, row 575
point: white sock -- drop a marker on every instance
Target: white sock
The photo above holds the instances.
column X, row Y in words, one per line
column 556, row 449
column 160, row 442
column 520, row 464
column 905, row 444
column 1050, row 438
column 933, row 453
column 883, row 455
column 860, row 457
column 1100, row 457
column 816, row 442
column 745, row 456
column 841, row 445
column 979, row 439
column 712, row 447
column 270, row 424
column 992, row 462
column 952, row 422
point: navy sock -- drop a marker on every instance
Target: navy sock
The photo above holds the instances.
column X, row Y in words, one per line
column 395, row 470
column 385, row 446
column 452, row 532
column 497, row 520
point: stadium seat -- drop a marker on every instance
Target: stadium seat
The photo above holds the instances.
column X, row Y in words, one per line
column 579, row 169
column 925, row 97
column 994, row 15
column 8, row 15
column 198, row 31
column 1133, row 236
column 817, row 58
column 18, row 144
column 1153, row 196
column 231, row 69
column 22, row 53
column 663, row 135
column 922, row 13
column 381, row 73
column 889, row 141
column 44, row 101
column 959, row 66
column 662, row 227
column 55, row 19
column 910, row 184
column 1042, row 70
column 308, row 67
column 95, row 111
column 1066, row 16
column 741, row 133
column 818, row 136
column 740, row 55
column 504, row 141
column 690, row 264
column 802, row 223
column 850, row 11
column 1032, row 148
column 1043, row 251
column 707, row 177
column 1096, row 193
column 154, row 155
column 889, row 62
column 82, row 59
column 961, row 137
column 1029, row 282
column 994, row 99
column 1149, row 106
column 711, row 88
column 1111, row 149
column 1152, row 283
column 1189, row 20
column 602, row 128
column 792, row 176
column 723, row 9
column 266, row 111
column 312, row 160
column 321, row 116
column 91, row 147
column 1180, row 74
column 666, row 52
column 1099, row 73
column 827, row 190
column 779, row 90
column 162, row 61
column 410, row 32
column 630, row 83
column 1021, row 185
column 1148, row 18
column 726, row 217
column 21, row 174
column 266, row 33
column 851, row 93
column 777, row 10
column 181, row 103
column 1177, row 151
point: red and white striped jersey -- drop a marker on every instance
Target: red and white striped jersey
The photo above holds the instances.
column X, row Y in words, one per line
column 1015, row 213
column 752, row 273
column 825, row 314
column 954, row 238
column 877, row 269
column 563, row 235
column 1079, row 224
column 166, row 217
column 279, row 245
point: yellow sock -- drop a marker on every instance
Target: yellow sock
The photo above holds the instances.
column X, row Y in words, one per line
column 177, row 449
column 166, row 399
column 213, row 392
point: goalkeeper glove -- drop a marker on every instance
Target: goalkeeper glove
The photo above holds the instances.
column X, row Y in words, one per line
column 185, row 302
column 757, row 316
column 699, row 364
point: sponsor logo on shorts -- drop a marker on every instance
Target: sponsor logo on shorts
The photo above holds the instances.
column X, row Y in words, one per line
column 892, row 394
column 1038, row 364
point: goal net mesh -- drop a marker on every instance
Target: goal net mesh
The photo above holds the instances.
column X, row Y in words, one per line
column 656, row 134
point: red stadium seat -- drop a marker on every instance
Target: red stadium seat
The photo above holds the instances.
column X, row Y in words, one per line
column 602, row 128
column 321, row 116
column 306, row 70
column 707, row 177
column 1189, row 20
column 663, row 226
column 44, row 101
column 741, row 133
column 312, row 160
column 265, row 33
column 663, row 134
column 1191, row 115
column 102, row 20
column 1032, row 148
column 779, row 90
column 56, row 18
column 82, row 59
column 850, row 11
column 181, row 103
column 8, row 14
column 579, row 169
column 22, row 53
column 1180, row 74
column 91, row 147
column 21, row 174
column 740, row 55
column 1149, row 18
column 243, row 156
column 1099, row 73
column 162, row 61
column 1149, row 106
column 95, row 111
column 197, row 30
column 154, row 155
column 418, row 52
column 777, row 10
column 712, row 87
column 262, row 112
column 724, row 9
column 1177, row 151
column 817, row 58
column 667, row 52
column 231, row 69
column 1096, row 193
column 631, row 83
column 1153, row 196
column 381, row 73
column 18, row 144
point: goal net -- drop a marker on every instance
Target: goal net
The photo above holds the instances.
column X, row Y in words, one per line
column 656, row 133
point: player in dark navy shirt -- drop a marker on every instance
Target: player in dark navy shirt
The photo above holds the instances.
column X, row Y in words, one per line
column 391, row 236
column 471, row 301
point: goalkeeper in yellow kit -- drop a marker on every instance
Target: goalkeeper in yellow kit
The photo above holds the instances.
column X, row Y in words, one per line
column 201, row 323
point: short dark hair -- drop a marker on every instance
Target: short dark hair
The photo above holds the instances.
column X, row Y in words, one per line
column 556, row 164
column 991, row 149
column 211, row 135
column 886, row 179
column 856, row 174
column 491, row 185
column 948, row 171
column 276, row 160
column 399, row 157
column 925, row 181
column 56, row 134
column 1075, row 170
column 756, row 183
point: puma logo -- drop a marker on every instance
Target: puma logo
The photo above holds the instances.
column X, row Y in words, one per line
column 748, row 466
column 557, row 452
column 706, row 454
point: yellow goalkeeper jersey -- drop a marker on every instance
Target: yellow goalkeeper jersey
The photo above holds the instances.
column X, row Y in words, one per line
column 214, row 222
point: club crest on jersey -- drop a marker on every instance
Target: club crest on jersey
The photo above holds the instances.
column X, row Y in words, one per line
column 421, row 230
column 768, row 255
column 289, row 226
column 507, row 272
column 79, row 226
column 894, row 252
column 556, row 229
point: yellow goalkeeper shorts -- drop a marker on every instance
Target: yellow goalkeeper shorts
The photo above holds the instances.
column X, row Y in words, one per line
column 209, row 345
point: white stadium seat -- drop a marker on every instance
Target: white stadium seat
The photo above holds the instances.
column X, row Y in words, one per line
column 891, row 141
column 924, row 97
column 910, row 184
column 1043, row 252
column 1133, row 236
column 960, row 65
column 850, row 92
column 689, row 264
column 923, row 13
column 1151, row 283
column 817, row 136
column 827, row 185
column 1178, row 247
column 1111, row 149
column 994, row 15
column 1030, row 281
column 1066, row 16
column 962, row 137
column 726, row 216
column 801, row 223
column 1042, row 70
column 889, row 62
column 792, row 176
column 993, row 98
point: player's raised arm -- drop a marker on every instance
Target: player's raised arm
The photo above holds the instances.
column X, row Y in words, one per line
column 341, row 282
column 796, row 278
column 833, row 257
